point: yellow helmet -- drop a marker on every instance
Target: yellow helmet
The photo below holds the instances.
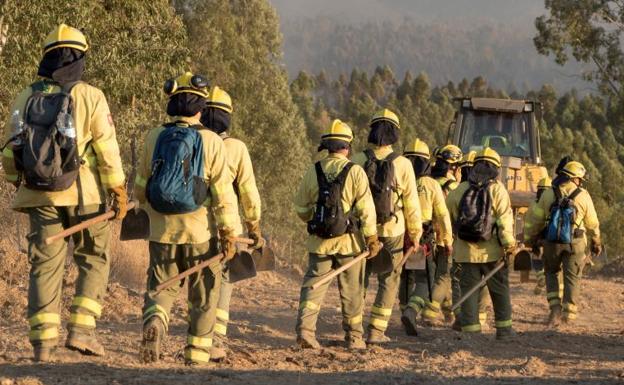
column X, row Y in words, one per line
column 468, row 159
column 417, row 148
column 220, row 99
column 450, row 154
column 187, row 82
column 489, row 155
column 544, row 183
column 574, row 169
column 65, row 36
column 338, row 131
column 386, row 115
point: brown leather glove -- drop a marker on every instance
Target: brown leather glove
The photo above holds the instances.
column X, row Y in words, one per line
column 228, row 246
column 509, row 254
column 253, row 231
column 120, row 201
column 373, row 245
column 596, row 248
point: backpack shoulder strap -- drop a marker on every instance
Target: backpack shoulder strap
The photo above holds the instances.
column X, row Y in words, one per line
column 67, row 87
column 321, row 178
column 342, row 176
column 392, row 156
column 575, row 193
column 370, row 154
column 447, row 185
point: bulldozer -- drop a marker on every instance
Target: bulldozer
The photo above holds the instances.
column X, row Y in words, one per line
column 511, row 128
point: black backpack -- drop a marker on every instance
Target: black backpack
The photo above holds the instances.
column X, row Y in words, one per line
column 382, row 183
column 45, row 147
column 475, row 222
column 329, row 219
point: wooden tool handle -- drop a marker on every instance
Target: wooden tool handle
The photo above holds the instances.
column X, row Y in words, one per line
column 329, row 276
column 84, row 224
column 407, row 254
column 173, row 280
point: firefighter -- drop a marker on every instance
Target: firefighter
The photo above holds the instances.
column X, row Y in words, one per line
column 446, row 172
column 478, row 258
column 179, row 239
column 566, row 256
column 415, row 284
column 216, row 117
column 538, row 264
column 397, row 209
column 333, row 244
column 99, row 174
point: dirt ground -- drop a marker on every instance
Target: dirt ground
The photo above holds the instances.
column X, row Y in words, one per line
column 262, row 343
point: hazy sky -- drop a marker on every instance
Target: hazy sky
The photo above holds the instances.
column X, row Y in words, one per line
column 511, row 11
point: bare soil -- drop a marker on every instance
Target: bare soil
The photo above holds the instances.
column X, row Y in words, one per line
column 262, row 344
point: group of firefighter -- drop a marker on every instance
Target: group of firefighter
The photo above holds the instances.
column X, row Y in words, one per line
column 375, row 204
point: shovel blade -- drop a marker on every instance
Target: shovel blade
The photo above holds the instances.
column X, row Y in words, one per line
column 522, row 261
column 242, row 266
column 383, row 262
column 135, row 225
column 416, row 260
column 264, row 258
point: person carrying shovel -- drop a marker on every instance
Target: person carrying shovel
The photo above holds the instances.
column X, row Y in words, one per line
column 181, row 170
column 335, row 201
column 62, row 155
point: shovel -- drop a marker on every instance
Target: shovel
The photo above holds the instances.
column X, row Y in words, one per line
column 264, row 258
column 522, row 260
column 83, row 225
column 135, row 225
column 199, row 267
column 242, row 266
column 383, row 263
column 334, row 273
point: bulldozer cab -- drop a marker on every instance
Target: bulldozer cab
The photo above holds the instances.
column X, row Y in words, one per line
column 509, row 127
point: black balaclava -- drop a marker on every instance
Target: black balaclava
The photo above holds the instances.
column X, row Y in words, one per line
column 465, row 172
column 440, row 168
column 63, row 65
column 185, row 104
column 383, row 133
column 333, row 145
column 482, row 172
column 561, row 178
column 422, row 166
column 215, row 119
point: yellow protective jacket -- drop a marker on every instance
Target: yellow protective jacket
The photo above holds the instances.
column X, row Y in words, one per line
column 406, row 202
column 442, row 180
column 433, row 208
column 190, row 228
column 537, row 217
column 97, row 145
column 356, row 196
column 239, row 164
column 503, row 237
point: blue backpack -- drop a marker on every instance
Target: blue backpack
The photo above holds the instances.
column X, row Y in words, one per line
column 177, row 184
column 560, row 228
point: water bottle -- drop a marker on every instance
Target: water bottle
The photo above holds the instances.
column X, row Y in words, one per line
column 67, row 127
column 17, row 124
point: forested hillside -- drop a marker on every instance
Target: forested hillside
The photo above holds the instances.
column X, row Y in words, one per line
column 585, row 127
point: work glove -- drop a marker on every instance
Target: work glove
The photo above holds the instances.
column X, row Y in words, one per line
column 228, row 246
column 596, row 248
column 120, row 201
column 448, row 250
column 253, row 231
column 509, row 252
column 373, row 245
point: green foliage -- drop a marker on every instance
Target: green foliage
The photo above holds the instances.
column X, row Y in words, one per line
column 580, row 126
column 238, row 44
column 589, row 31
column 134, row 46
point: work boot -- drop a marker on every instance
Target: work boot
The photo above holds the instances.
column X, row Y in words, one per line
column 566, row 320
column 408, row 318
column 355, row 343
column 217, row 351
column 554, row 318
column 308, row 341
column 505, row 334
column 376, row 337
column 84, row 342
column 449, row 317
column 43, row 353
column 153, row 335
